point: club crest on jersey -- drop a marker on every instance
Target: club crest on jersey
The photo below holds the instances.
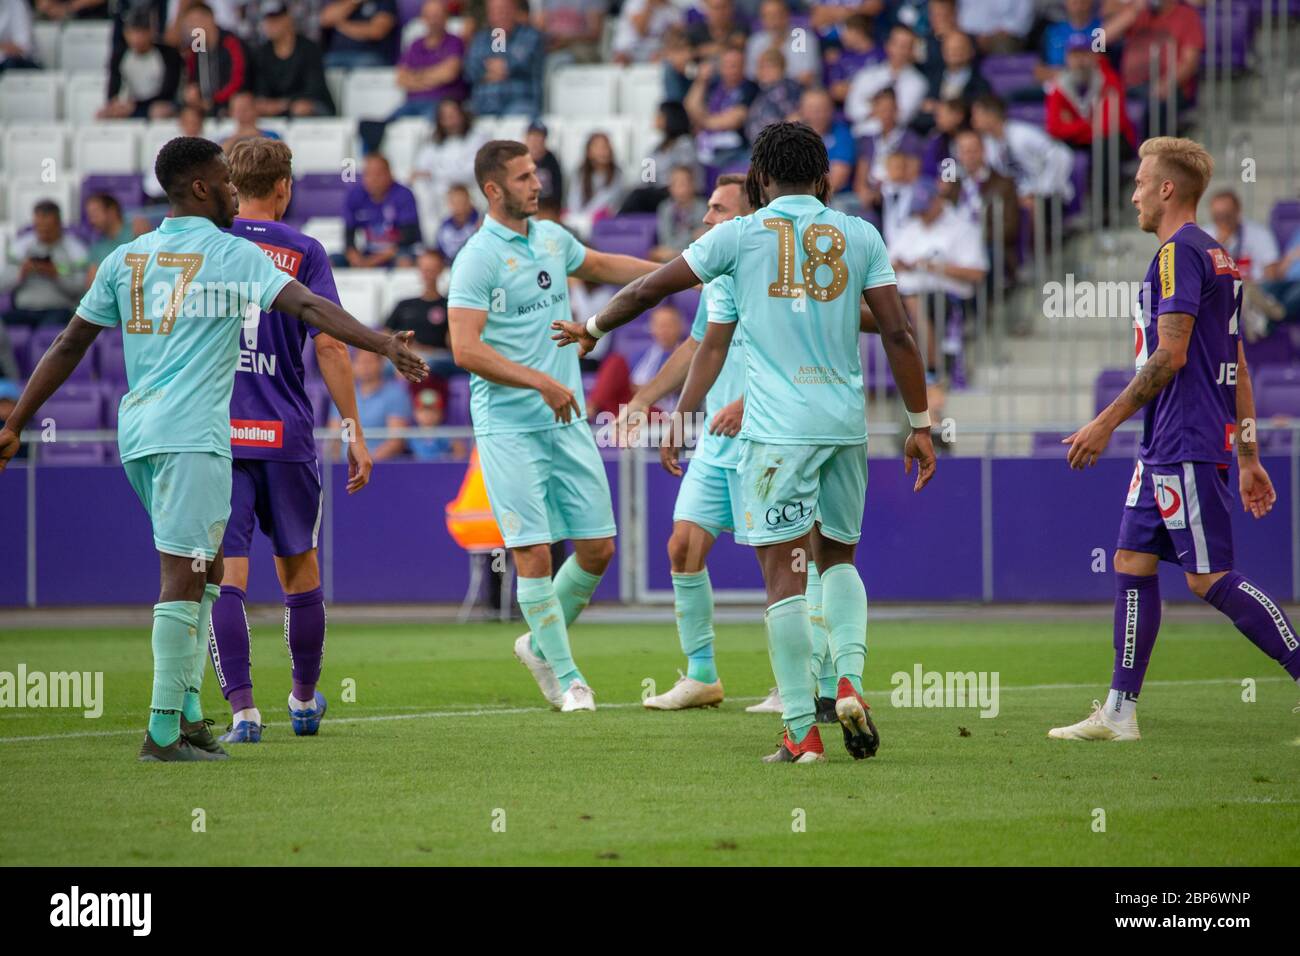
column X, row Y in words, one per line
column 544, row 279
column 1169, row 501
column 1223, row 263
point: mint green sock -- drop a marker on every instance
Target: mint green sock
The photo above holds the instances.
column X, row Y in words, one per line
column 693, row 597
column 175, row 625
column 574, row 587
column 541, row 607
column 193, row 708
column 789, row 645
column 823, row 665
column 844, row 599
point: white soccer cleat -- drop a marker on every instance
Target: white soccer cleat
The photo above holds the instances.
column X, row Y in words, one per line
column 1098, row 726
column 771, row 704
column 578, row 697
column 541, row 671
column 685, row 694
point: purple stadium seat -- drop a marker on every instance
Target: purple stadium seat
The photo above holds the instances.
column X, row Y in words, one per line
column 628, row 244
column 73, row 409
column 1285, row 220
column 1110, row 383
column 112, row 393
column 39, row 343
column 1079, row 177
column 634, row 232
column 126, row 188
column 1010, row 72
column 408, row 10
column 1232, row 50
column 19, row 338
column 1035, row 113
column 1277, row 391
column 457, row 400
column 319, row 396
column 316, row 194
column 1281, row 347
column 687, row 303
column 112, row 365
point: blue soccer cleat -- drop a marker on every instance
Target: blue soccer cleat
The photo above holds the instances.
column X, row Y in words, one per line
column 307, row 722
column 244, row 732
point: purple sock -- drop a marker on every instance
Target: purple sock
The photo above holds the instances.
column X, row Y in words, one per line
column 1137, row 622
column 228, row 646
column 1259, row 618
column 304, row 635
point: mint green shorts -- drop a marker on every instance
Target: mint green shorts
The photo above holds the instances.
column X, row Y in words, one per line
column 187, row 495
column 787, row 488
column 710, row 497
column 546, row 486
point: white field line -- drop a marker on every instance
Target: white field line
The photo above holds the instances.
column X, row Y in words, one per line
column 508, row 711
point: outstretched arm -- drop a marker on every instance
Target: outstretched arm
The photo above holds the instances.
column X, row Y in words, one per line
column 909, row 373
column 58, row 362
column 1175, row 330
column 612, row 268
column 300, row 302
column 634, row 298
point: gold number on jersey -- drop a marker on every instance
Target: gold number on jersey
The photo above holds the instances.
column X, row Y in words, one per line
column 188, row 263
column 138, row 323
column 814, row 257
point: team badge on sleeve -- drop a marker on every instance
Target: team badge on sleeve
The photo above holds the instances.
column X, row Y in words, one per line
column 1169, row 499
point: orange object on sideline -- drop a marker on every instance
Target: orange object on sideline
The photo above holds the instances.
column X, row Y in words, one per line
column 469, row 516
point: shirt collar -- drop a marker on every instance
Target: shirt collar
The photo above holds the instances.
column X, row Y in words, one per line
column 505, row 232
column 795, row 204
column 185, row 223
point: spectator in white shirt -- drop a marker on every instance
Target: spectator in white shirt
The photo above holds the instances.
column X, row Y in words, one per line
column 1038, row 164
column 998, row 26
column 16, row 43
column 1251, row 244
column 448, row 157
column 803, row 57
column 641, row 28
column 898, row 71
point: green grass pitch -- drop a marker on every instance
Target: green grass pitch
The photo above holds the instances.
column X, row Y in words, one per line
column 447, row 757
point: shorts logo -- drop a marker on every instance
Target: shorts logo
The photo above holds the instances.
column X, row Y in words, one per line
column 1169, row 501
column 544, row 279
column 511, row 523
column 1134, row 486
column 255, row 434
column 786, row 514
column 749, row 521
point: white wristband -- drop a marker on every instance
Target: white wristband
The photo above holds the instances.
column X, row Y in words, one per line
column 918, row 419
column 592, row 330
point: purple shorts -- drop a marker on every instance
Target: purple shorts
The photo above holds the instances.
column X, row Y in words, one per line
column 284, row 497
column 1181, row 513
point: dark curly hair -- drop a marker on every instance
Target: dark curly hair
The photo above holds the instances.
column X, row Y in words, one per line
column 791, row 154
column 179, row 160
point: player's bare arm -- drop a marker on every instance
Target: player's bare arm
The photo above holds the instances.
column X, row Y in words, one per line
column 886, row 308
column 866, row 320
column 613, row 269
column 705, row 367
column 474, row 355
column 63, row 356
column 1257, row 493
column 297, row 300
column 670, row 378
column 1088, row 443
column 634, row 298
column 336, row 370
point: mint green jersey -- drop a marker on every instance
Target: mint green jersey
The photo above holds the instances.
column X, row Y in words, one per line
column 800, row 270
column 719, row 299
column 180, row 294
column 522, row 284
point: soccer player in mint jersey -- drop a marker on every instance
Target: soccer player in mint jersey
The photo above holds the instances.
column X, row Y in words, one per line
column 180, row 294
column 543, row 472
column 275, row 483
column 800, row 269
column 1193, row 389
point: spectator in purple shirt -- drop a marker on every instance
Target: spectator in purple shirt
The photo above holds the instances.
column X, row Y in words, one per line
column 778, row 95
column 718, row 105
column 462, row 222
column 381, row 220
column 856, row 50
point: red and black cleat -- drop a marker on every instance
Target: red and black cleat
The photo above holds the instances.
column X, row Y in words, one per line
column 861, row 739
column 809, row 751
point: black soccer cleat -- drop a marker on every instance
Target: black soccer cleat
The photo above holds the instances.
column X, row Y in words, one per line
column 825, row 708
column 861, row 739
column 179, row 751
column 199, row 734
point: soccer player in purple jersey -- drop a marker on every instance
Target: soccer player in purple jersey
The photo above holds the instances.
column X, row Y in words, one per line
column 1194, row 390
column 276, row 480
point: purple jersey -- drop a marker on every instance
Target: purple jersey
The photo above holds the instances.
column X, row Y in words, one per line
column 1194, row 416
column 270, row 414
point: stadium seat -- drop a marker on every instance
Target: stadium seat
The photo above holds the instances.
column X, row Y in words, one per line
column 320, row 145
column 72, row 409
column 30, row 95
column 83, row 95
column 401, row 284
column 112, row 363
column 640, row 91
column 28, row 147
column 408, row 10
column 152, row 138
column 594, row 87
column 45, row 36
column 107, row 147
column 1010, row 72
column 86, row 45
column 413, row 30
column 124, row 187
column 334, row 77
column 316, row 195
column 571, row 134
column 22, row 194
column 1110, row 383
column 402, row 140
column 457, row 400
column 371, row 94
column 328, row 231
column 359, row 293
column 1285, row 220
column 1277, row 391
column 19, row 338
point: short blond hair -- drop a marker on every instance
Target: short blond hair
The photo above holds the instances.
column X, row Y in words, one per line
column 1184, row 162
column 257, row 164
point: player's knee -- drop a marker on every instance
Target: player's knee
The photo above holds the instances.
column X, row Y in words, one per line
column 679, row 550
column 597, row 553
column 533, row 561
column 1200, row 584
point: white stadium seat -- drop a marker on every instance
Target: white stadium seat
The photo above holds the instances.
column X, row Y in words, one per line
column 155, row 133
column 359, row 293
column 414, row 30
column 107, row 147
column 45, row 34
column 400, row 284
column 29, row 146
column 402, row 140
column 320, row 145
column 371, row 94
column 86, row 45
column 503, row 127
column 328, row 231
column 23, row 194
column 29, row 95
column 593, row 90
column 640, row 91
column 569, row 138
column 83, row 96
